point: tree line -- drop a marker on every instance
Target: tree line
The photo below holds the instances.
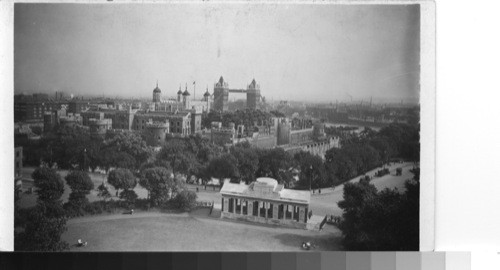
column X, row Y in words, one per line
column 196, row 157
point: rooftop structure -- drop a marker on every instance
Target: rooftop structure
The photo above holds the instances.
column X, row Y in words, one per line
column 265, row 201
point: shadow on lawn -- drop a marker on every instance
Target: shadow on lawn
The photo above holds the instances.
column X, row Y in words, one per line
column 323, row 242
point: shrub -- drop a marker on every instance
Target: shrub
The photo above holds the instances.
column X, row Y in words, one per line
column 129, row 196
column 185, row 200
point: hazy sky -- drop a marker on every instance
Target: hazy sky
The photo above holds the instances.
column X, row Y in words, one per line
column 295, row 52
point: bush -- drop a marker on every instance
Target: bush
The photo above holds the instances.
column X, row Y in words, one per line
column 185, row 200
column 129, row 196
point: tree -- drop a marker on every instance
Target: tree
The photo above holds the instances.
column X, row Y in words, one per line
column 129, row 196
column 247, row 162
column 42, row 232
column 49, row 184
column 103, row 192
column 223, row 167
column 385, row 220
column 46, row 221
column 81, row 185
column 131, row 144
column 122, row 179
column 175, row 152
column 185, row 200
column 275, row 163
column 110, row 157
column 312, row 170
column 158, row 181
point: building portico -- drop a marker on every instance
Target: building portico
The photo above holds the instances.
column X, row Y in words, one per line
column 265, row 201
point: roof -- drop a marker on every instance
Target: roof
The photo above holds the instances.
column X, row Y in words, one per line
column 180, row 91
column 207, row 94
column 186, row 93
column 266, row 188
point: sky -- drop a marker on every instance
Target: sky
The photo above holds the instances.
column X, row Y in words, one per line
column 298, row 52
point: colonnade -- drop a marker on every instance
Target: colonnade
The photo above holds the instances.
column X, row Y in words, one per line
column 265, row 209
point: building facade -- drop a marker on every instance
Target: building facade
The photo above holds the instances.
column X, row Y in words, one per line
column 265, row 201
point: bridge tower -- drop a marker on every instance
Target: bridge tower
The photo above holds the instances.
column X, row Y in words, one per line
column 221, row 94
column 253, row 95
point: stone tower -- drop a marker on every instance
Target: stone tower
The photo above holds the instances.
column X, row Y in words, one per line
column 206, row 98
column 221, row 94
column 179, row 94
column 253, row 95
column 186, row 99
column 157, row 94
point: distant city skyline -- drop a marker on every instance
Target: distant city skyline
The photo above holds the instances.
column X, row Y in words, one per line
column 314, row 53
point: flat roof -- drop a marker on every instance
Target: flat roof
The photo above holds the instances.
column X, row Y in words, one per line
column 267, row 189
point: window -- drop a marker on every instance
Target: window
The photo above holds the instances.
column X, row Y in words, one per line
column 262, row 209
column 238, row 205
column 256, row 208
column 288, row 211
column 245, row 207
column 231, row 202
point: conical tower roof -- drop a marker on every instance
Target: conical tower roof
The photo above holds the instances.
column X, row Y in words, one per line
column 157, row 90
column 186, row 93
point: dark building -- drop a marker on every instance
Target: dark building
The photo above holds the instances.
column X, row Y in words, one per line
column 253, row 95
column 78, row 106
column 221, row 95
column 33, row 107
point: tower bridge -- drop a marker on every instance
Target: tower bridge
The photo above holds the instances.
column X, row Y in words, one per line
column 222, row 90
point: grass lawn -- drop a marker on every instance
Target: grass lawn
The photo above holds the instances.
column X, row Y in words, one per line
column 153, row 231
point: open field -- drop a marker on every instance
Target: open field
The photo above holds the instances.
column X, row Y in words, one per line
column 153, row 231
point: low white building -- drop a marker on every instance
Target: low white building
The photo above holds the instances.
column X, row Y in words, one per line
column 265, row 201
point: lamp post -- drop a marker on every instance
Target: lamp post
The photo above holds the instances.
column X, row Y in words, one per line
column 310, row 178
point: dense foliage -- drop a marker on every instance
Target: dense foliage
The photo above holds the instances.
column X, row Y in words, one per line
column 49, row 184
column 81, row 185
column 185, row 200
column 160, row 184
column 385, row 220
column 41, row 227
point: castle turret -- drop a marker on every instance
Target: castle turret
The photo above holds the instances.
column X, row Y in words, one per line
column 157, row 94
column 186, row 99
column 179, row 94
column 206, row 98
